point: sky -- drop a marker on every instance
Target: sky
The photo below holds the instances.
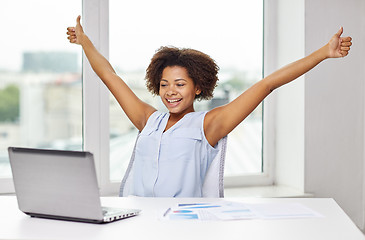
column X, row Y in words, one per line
column 229, row 31
column 34, row 25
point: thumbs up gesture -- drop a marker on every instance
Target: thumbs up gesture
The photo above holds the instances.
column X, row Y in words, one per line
column 339, row 46
column 75, row 33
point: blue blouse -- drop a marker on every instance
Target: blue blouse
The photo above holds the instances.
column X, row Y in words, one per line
column 172, row 163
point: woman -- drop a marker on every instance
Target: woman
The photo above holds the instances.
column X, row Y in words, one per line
column 175, row 148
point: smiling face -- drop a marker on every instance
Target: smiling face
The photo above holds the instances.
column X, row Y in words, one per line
column 177, row 90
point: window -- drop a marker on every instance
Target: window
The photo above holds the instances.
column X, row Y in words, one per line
column 40, row 78
column 231, row 32
column 45, row 104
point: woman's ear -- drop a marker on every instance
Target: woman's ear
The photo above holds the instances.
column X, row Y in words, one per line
column 198, row 91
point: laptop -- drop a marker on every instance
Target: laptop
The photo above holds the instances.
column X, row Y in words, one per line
column 59, row 184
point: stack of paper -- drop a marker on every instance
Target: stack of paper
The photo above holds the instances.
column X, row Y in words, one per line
column 226, row 210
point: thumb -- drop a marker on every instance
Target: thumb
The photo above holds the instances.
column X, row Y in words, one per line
column 78, row 20
column 339, row 33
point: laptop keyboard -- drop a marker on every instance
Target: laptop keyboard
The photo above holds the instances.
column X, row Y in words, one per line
column 112, row 211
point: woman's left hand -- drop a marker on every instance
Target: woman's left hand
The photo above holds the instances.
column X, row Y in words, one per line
column 339, row 46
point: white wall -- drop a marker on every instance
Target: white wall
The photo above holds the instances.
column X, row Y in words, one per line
column 334, row 108
column 320, row 118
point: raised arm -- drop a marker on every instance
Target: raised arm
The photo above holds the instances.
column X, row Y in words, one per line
column 136, row 110
column 222, row 120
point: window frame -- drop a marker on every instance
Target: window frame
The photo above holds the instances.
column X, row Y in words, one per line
column 267, row 176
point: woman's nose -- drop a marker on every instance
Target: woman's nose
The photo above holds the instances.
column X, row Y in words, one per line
column 170, row 91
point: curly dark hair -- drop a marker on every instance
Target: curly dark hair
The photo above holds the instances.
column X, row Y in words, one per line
column 202, row 69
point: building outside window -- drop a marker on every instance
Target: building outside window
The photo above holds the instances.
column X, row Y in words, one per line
column 40, row 78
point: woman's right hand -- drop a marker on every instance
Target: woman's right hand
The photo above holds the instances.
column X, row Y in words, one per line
column 75, row 33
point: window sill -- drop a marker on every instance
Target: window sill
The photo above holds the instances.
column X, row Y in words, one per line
column 264, row 191
column 258, row 191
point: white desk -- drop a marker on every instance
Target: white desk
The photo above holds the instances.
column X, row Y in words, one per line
column 335, row 225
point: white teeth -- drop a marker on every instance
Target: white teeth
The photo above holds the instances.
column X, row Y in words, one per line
column 173, row 100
